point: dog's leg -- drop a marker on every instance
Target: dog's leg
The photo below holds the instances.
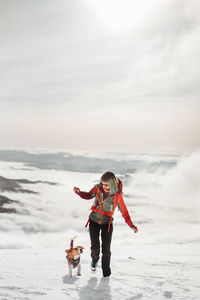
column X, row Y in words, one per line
column 70, row 270
column 79, row 269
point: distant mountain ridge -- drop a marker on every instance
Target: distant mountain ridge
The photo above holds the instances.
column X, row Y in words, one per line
column 79, row 163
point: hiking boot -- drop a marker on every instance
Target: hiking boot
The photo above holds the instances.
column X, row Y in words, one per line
column 94, row 265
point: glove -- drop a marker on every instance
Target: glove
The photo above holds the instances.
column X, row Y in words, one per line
column 76, row 190
column 134, row 228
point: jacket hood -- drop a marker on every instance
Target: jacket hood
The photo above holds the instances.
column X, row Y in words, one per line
column 120, row 186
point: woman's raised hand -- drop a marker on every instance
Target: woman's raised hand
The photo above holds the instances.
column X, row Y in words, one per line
column 76, row 190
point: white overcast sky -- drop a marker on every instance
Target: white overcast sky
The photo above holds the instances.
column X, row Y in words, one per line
column 108, row 75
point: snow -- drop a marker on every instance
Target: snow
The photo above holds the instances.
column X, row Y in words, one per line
column 161, row 261
column 43, row 274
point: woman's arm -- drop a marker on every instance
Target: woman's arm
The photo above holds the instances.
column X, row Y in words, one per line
column 122, row 207
column 86, row 195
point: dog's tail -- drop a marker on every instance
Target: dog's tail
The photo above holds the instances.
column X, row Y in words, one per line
column 72, row 242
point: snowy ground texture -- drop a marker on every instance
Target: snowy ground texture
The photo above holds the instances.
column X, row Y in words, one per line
column 161, row 261
column 43, row 274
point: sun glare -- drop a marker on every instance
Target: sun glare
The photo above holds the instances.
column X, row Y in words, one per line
column 121, row 15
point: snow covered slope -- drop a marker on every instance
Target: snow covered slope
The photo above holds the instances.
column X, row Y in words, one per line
column 42, row 273
column 161, row 261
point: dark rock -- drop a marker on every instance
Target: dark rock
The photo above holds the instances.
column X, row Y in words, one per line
column 12, row 185
column 5, row 200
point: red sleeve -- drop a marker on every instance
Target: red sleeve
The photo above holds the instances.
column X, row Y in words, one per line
column 88, row 195
column 122, row 207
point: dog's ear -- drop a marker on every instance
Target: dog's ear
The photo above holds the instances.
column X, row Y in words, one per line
column 80, row 247
column 68, row 250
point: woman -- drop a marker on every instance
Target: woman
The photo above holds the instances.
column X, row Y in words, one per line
column 108, row 195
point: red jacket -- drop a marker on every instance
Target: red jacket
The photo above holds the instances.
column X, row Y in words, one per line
column 103, row 208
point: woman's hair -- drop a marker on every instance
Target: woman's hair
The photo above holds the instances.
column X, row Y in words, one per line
column 112, row 180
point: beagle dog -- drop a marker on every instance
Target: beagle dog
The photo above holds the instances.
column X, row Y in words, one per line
column 73, row 258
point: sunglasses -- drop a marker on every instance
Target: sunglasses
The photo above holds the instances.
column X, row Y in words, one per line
column 105, row 184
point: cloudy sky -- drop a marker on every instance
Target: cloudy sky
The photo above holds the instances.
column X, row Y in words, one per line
column 109, row 75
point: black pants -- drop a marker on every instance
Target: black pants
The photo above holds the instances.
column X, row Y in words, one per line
column 106, row 237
